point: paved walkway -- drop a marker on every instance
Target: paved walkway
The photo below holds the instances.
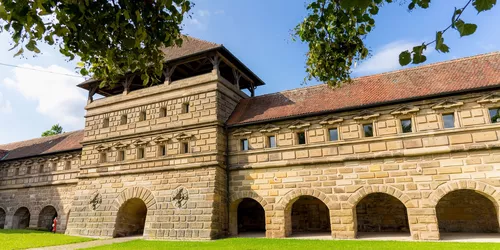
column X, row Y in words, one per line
column 88, row 244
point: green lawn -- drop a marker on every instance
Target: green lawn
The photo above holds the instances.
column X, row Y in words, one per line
column 283, row 244
column 22, row 239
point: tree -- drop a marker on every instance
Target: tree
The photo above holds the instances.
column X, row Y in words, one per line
column 54, row 130
column 112, row 37
column 334, row 31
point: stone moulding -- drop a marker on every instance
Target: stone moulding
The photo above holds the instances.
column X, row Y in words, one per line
column 447, row 104
column 299, row 125
column 241, row 132
column 269, row 128
column 366, row 115
column 330, row 120
column 491, row 98
column 404, row 110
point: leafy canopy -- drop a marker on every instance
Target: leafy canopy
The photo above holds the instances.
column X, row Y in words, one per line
column 111, row 37
column 335, row 29
column 54, row 130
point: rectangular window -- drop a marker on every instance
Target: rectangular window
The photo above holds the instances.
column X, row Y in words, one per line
column 28, row 170
column 184, row 148
column 163, row 112
column 123, row 120
column 142, row 116
column 102, row 157
column 162, row 150
column 244, row 144
column 41, row 168
column 301, row 138
column 333, row 134
column 140, row 153
column 68, row 165
column 185, row 108
column 121, row 155
column 494, row 115
column 368, row 130
column 105, row 122
column 54, row 166
column 406, row 126
column 449, row 120
column 271, row 141
column 16, row 171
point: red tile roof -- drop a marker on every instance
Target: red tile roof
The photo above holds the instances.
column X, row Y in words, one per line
column 430, row 80
column 190, row 46
column 44, row 145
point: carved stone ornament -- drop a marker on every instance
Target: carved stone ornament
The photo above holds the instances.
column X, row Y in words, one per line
column 139, row 142
column 448, row 104
column 299, row 125
column 160, row 139
column 242, row 132
column 180, row 197
column 404, row 110
column 269, row 128
column 102, row 148
column 120, row 145
column 95, row 201
column 492, row 98
column 183, row 136
column 329, row 120
column 366, row 115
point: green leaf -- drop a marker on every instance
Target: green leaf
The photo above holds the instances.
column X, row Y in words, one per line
column 418, row 54
column 483, row 5
column 465, row 29
column 3, row 13
column 404, row 58
column 21, row 51
column 80, row 64
column 440, row 46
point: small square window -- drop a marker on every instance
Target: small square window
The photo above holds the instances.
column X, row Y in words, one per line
column 102, row 157
column 105, row 122
column 123, row 120
column 121, row 155
column 449, row 120
column 140, row 153
column 142, row 116
column 185, row 108
column 68, row 165
column 406, row 126
column 41, row 168
column 333, row 134
column 163, row 112
column 184, row 148
column 271, row 141
column 494, row 115
column 368, row 130
column 301, row 138
column 28, row 170
column 244, row 144
column 162, row 150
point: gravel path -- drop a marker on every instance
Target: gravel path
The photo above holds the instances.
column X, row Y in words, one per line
column 88, row 244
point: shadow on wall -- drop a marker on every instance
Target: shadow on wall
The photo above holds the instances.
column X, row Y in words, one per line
column 272, row 105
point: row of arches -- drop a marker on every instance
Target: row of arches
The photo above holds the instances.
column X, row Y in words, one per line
column 22, row 216
column 459, row 211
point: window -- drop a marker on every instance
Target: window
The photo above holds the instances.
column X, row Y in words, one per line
column 68, row 165
column 301, row 138
column 184, row 148
column 41, row 168
column 333, row 134
column 121, row 155
column 54, row 166
column 449, row 120
column 16, row 172
column 28, row 170
column 244, row 144
column 140, row 153
column 494, row 115
column 185, row 108
column 162, row 150
column 163, row 112
column 142, row 116
column 271, row 141
column 368, row 130
column 406, row 126
column 105, row 122
column 102, row 157
column 123, row 120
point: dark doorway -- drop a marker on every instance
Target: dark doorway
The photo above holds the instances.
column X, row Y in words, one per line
column 131, row 218
column 21, row 219
column 251, row 217
column 46, row 217
column 310, row 215
column 379, row 212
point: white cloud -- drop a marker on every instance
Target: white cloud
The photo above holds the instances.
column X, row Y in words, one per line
column 56, row 95
column 199, row 20
column 204, row 13
column 385, row 58
column 219, row 12
column 5, row 106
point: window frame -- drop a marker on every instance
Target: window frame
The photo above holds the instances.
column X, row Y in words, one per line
column 268, row 141
column 297, row 137
column 489, row 114
column 142, row 116
column 162, row 150
column 453, row 114
column 242, row 144
column 67, row 165
column 105, row 122
column 185, row 108
column 337, row 128
column 401, row 130
column 372, row 123
column 141, row 153
column 41, row 168
column 123, row 119
column 184, row 147
column 103, row 157
column 120, row 156
column 162, row 112
column 28, row 170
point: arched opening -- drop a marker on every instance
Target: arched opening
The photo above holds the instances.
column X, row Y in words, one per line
column 131, row 218
column 2, row 218
column 308, row 216
column 21, row 219
column 380, row 213
column 46, row 217
column 251, row 218
column 466, row 211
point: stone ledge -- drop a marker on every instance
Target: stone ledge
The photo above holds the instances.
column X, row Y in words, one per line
column 55, row 183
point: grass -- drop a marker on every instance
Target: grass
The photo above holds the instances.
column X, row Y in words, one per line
column 291, row 244
column 22, row 239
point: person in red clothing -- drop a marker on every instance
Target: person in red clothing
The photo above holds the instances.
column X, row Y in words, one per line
column 54, row 225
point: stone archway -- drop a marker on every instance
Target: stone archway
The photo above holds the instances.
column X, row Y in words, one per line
column 131, row 218
column 251, row 218
column 46, row 217
column 381, row 213
column 2, row 218
column 234, row 207
column 21, row 218
column 466, row 211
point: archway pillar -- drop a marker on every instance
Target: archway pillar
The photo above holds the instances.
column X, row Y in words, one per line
column 423, row 223
column 8, row 221
column 275, row 222
column 343, row 222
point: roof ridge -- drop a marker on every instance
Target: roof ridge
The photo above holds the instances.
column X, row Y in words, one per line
column 431, row 64
column 40, row 138
column 292, row 90
column 201, row 40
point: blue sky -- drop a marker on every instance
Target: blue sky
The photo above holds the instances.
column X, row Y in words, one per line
column 257, row 32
